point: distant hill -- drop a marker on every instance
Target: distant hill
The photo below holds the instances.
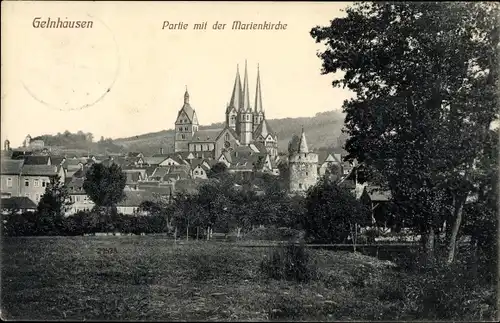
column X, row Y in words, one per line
column 322, row 131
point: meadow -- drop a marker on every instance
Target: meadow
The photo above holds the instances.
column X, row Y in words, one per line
column 153, row 278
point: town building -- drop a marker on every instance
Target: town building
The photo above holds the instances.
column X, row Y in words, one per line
column 30, row 179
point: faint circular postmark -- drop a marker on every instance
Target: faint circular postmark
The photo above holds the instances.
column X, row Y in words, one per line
column 70, row 69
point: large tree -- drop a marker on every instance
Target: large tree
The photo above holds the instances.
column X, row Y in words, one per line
column 52, row 207
column 332, row 213
column 104, row 185
column 425, row 78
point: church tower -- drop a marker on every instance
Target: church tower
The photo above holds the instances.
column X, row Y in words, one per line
column 303, row 167
column 185, row 125
column 245, row 113
column 234, row 105
column 258, row 115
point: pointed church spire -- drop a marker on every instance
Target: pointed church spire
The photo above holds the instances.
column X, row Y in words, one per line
column 303, row 143
column 258, row 94
column 186, row 96
column 236, row 96
column 245, row 105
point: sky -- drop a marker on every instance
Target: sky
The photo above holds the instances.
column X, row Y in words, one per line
column 126, row 76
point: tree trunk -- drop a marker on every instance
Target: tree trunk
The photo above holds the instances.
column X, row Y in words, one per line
column 197, row 233
column 429, row 245
column 175, row 234
column 187, row 232
column 452, row 244
column 238, row 232
column 208, row 233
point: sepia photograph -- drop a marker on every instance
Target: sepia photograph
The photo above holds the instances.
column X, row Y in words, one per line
column 249, row 161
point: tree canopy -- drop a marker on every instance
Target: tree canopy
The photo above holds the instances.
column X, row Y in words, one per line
column 425, row 75
column 104, row 184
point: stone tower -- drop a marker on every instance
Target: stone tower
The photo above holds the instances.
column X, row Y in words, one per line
column 27, row 141
column 235, row 103
column 6, row 145
column 303, row 167
column 185, row 125
column 258, row 115
column 245, row 113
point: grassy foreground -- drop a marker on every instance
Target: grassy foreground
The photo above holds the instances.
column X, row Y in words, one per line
column 150, row 278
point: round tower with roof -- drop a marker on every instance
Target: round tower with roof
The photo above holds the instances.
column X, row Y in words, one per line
column 303, row 167
column 6, row 145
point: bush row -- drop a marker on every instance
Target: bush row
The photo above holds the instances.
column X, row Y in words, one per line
column 32, row 224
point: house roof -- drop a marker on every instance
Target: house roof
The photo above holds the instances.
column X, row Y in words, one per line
column 184, row 154
column 11, row 166
column 187, row 185
column 80, row 172
column 36, row 160
column 17, row 202
column 376, row 194
column 154, row 160
column 133, row 177
column 59, row 161
column 73, row 162
column 161, row 190
column 39, row 170
column 20, row 152
column 135, row 198
column 75, row 185
column 160, row 172
column 6, row 153
column 208, row 135
column 211, row 161
column 196, row 162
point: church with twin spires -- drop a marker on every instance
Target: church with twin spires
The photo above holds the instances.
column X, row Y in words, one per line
column 245, row 125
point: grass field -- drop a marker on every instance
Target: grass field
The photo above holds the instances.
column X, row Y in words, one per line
column 150, row 278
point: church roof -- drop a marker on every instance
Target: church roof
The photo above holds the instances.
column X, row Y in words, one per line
column 263, row 129
column 245, row 104
column 187, row 108
column 209, row 135
column 258, row 94
column 237, row 93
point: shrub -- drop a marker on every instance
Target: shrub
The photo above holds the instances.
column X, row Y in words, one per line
column 290, row 262
column 448, row 292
